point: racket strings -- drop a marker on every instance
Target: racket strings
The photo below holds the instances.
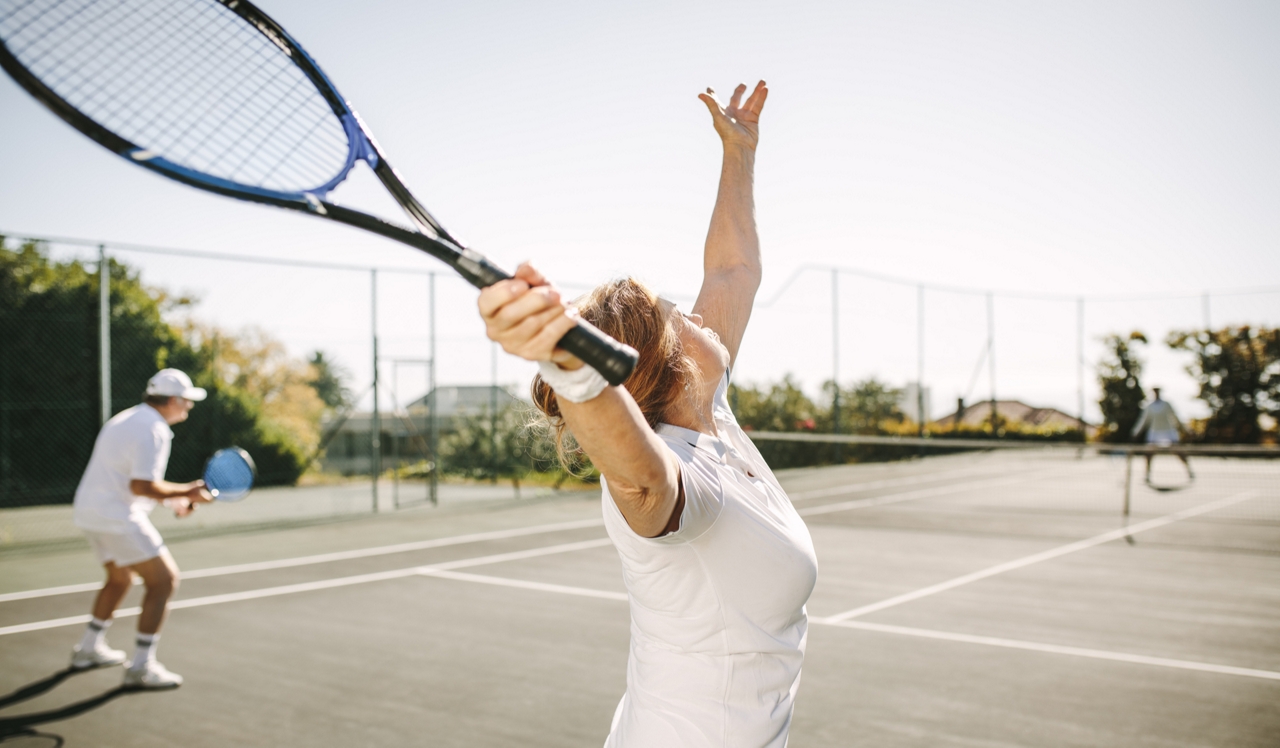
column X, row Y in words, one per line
column 229, row 474
column 187, row 80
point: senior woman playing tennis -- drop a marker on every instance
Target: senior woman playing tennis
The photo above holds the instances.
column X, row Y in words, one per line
column 717, row 564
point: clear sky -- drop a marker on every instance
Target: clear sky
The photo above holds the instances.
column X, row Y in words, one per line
column 1096, row 149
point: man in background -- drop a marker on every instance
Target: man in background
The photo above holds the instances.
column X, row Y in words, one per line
column 1163, row 429
column 122, row 484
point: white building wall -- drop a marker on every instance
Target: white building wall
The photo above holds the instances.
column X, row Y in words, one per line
column 910, row 406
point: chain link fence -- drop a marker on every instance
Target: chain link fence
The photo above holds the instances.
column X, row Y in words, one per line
column 52, row 378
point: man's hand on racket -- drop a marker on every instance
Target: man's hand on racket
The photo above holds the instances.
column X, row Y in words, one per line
column 196, row 493
column 527, row 317
column 738, row 123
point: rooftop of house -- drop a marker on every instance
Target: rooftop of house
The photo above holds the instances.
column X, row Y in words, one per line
column 976, row 414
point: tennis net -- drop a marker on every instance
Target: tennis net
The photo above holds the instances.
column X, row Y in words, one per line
column 1224, row 497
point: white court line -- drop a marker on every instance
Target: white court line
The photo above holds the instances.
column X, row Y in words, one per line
column 1097, row 654
column 324, row 584
column 820, row 493
column 525, row 585
column 1036, row 558
column 325, row 558
column 894, row 498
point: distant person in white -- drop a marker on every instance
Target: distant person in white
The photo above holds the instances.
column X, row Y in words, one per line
column 122, row 484
column 1163, row 429
column 717, row 564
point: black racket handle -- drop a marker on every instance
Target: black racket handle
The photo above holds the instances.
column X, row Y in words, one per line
column 615, row 361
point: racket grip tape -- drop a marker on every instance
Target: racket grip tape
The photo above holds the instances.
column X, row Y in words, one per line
column 612, row 359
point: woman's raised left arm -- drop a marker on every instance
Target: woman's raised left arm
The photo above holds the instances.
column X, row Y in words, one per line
column 731, row 258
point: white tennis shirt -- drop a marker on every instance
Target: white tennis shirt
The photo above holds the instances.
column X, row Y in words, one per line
column 133, row 445
column 718, row 621
column 1159, row 420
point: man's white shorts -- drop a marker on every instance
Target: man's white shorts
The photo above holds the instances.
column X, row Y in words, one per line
column 139, row 542
column 1163, row 438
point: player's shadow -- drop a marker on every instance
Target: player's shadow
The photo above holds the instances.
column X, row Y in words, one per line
column 21, row 725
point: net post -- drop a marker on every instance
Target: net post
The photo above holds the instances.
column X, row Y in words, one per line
column 375, row 425
column 104, row 332
column 1128, row 481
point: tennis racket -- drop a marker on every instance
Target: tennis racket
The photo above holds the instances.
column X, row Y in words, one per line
column 215, row 94
column 229, row 474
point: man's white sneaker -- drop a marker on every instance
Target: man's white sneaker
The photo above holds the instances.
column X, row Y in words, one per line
column 102, row 656
column 151, row 675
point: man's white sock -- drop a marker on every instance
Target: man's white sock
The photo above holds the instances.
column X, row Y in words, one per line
column 146, row 651
column 93, row 635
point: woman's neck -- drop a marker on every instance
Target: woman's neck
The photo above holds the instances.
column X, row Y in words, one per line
column 694, row 414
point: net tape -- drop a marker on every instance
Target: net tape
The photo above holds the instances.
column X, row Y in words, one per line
column 188, row 80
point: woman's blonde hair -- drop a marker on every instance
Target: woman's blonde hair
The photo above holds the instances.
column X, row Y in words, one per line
column 629, row 312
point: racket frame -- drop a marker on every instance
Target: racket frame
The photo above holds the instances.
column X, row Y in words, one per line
column 244, row 456
column 612, row 359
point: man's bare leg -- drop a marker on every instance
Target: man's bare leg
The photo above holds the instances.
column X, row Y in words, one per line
column 160, row 577
column 117, row 586
column 93, row 651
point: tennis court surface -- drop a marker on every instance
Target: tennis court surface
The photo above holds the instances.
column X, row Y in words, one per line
column 978, row 599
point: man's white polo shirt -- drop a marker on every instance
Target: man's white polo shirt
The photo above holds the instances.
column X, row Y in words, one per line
column 134, row 445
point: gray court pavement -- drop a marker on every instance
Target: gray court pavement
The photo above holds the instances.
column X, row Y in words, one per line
column 518, row 637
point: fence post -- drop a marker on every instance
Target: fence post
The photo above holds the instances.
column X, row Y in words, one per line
column 920, row 414
column 104, row 331
column 375, row 425
column 433, row 423
column 493, row 413
column 991, row 360
column 1084, row 430
column 835, row 360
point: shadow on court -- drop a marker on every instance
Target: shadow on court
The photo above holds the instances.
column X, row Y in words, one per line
column 20, row 728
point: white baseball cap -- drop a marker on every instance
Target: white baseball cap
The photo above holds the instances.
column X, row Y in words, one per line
column 174, row 383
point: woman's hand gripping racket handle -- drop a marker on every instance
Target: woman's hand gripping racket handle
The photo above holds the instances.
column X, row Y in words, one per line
column 612, row 359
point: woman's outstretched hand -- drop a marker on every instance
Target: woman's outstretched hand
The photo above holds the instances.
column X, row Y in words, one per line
column 527, row 317
column 739, row 123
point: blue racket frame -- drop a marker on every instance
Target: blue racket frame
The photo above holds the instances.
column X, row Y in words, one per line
column 614, row 360
column 230, row 474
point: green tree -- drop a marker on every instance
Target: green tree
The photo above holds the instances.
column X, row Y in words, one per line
column 329, row 380
column 1120, row 378
column 1238, row 370
column 865, row 408
column 50, row 402
column 512, row 446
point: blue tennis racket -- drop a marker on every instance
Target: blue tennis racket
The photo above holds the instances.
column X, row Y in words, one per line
column 215, row 94
column 229, row 474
